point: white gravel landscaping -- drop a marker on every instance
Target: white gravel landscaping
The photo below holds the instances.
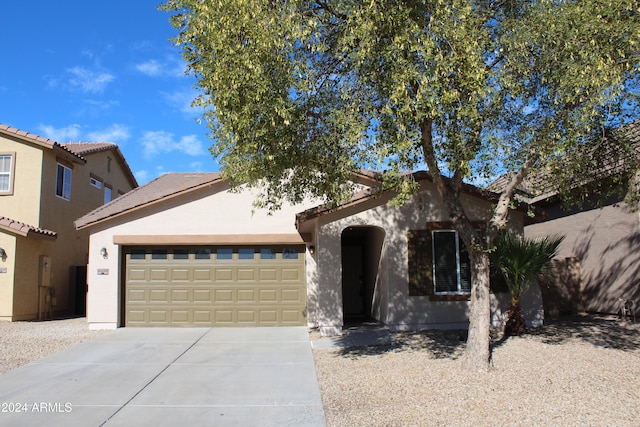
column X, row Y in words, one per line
column 584, row 372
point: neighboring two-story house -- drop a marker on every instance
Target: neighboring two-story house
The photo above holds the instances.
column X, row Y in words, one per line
column 44, row 187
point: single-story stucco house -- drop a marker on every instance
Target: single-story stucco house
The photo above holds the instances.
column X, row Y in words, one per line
column 186, row 250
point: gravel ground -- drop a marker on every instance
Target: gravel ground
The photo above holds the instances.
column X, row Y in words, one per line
column 23, row 342
column 582, row 372
column 579, row 372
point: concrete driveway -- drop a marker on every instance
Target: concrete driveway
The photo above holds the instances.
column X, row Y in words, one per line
column 170, row 377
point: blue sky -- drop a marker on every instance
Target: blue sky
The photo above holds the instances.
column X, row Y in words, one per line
column 98, row 70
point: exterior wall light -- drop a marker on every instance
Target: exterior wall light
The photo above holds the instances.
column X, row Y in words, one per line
column 3, row 253
column 104, row 253
column 312, row 249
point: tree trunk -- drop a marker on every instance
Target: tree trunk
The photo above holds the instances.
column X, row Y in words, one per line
column 477, row 352
column 515, row 324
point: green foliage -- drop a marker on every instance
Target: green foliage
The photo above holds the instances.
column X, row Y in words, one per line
column 521, row 261
column 300, row 94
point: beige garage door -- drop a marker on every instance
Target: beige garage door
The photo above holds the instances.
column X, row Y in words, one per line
column 215, row 286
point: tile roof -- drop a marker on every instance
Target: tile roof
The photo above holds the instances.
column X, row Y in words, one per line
column 84, row 148
column 89, row 148
column 165, row 186
column 619, row 150
column 374, row 191
column 24, row 229
column 35, row 139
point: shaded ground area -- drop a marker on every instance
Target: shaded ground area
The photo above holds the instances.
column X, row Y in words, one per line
column 568, row 372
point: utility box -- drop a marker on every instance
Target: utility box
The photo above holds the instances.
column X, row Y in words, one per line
column 45, row 270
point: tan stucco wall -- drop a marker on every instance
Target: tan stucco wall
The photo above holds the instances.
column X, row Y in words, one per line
column 8, row 243
column 34, row 202
column 24, row 204
column 392, row 303
column 58, row 214
column 225, row 213
column 606, row 241
column 28, row 278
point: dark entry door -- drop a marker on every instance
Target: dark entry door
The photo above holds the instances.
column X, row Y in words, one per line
column 352, row 281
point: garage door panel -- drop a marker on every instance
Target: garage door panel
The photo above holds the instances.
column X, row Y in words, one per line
column 159, row 316
column 293, row 274
column 159, row 274
column 137, row 274
column 158, row 295
column 246, row 274
column 201, row 275
column 246, row 295
column 268, row 295
column 223, row 295
column 224, row 274
column 179, row 274
column 230, row 288
column 202, row 295
column 180, row 295
column 268, row 274
column 137, row 295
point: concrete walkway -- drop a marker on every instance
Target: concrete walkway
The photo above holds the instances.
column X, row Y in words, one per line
column 170, row 377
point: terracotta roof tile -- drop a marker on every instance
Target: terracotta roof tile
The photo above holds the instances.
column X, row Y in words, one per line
column 167, row 185
column 24, row 229
column 84, row 148
column 89, row 148
column 615, row 159
column 39, row 140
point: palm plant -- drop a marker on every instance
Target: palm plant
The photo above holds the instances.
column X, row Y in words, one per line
column 522, row 261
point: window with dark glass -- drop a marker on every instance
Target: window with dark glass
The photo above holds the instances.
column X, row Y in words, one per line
column 181, row 254
column 288, row 253
column 159, row 254
column 268, row 253
column 224, row 253
column 202, row 253
column 63, row 182
column 451, row 267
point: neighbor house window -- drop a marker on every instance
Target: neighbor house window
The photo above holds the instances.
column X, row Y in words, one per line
column 6, row 173
column 95, row 182
column 63, row 182
column 438, row 263
column 107, row 193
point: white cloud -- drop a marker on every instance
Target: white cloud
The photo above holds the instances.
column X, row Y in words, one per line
column 171, row 66
column 115, row 133
column 182, row 101
column 70, row 133
column 158, row 142
column 88, row 80
column 142, row 176
column 150, row 68
column 196, row 166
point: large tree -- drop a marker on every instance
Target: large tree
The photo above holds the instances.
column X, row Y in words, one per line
column 300, row 94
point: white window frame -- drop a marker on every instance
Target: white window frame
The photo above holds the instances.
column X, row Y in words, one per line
column 96, row 182
column 8, row 173
column 63, row 192
column 434, row 262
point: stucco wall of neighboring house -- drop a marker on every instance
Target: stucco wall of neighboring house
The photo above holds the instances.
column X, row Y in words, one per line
column 199, row 213
column 606, row 243
column 58, row 214
column 24, row 203
column 8, row 243
column 28, row 295
column 391, row 302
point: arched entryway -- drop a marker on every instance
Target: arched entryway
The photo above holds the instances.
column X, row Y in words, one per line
column 361, row 252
